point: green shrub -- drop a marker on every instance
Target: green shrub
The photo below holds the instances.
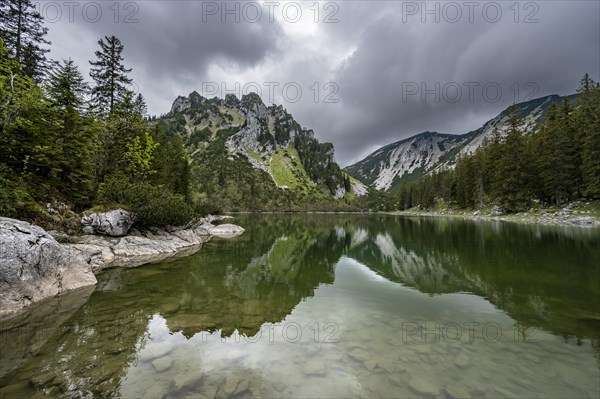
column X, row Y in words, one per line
column 153, row 205
column 15, row 198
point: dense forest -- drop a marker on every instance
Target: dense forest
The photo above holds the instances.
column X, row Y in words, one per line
column 557, row 164
column 68, row 144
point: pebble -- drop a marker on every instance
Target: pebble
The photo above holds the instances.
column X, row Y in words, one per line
column 41, row 380
column 162, row 363
column 233, row 386
column 387, row 364
column 155, row 350
column 195, row 395
column 187, row 379
column 462, row 361
column 242, row 387
column 209, row 391
column 397, row 380
column 314, row 368
column 423, row 387
column 156, row 391
column 359, row 355
column 169, row 308
column 370, row 365
column 457, row 392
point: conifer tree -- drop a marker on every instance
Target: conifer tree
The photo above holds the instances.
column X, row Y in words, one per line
column 21, row 28
column 513, row 167
column 73, row 132
column 555, row 152
column 25, row 145
column 66, row 87
column 588, row 120
column 109, row 75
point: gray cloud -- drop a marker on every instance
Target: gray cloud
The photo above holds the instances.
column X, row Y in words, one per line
column 373, row 54
column 393, row 55
column 171, row 46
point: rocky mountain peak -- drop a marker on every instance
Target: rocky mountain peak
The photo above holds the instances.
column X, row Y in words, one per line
column 252, row 102
column 180, row 104
column 231, row 101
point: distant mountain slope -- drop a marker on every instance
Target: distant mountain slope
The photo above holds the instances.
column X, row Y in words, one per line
column 412, row 158
column 247, row 152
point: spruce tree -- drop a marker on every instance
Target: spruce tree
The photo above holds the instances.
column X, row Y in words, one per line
column 21, row 28
column 552, row 162
column 588, row 121
column 513, row 176
column 73, row 133
column 109, row 75
column 66, row 87
column 25, row 118
column 568, row 153
column 122, row 126
column 491, row 155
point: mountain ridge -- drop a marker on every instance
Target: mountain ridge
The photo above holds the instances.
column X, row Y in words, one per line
column 247, row 143
column 411, row 158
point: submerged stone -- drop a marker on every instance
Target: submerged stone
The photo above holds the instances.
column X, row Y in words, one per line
column 188, row 379
column 359, row 355
column 457, row 392
column 163, row 363
column 423, row 386
column 462, row 360
column 155, row 350
column 314, row 368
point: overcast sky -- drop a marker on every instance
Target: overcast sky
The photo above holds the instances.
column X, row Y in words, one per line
column 370, row 72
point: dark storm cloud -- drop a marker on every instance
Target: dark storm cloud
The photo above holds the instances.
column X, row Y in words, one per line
column 375, row 54
column 171, row 45
column 395, row 58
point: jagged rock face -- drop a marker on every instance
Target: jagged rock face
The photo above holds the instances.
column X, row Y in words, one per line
column 180, row 104
column 34, row 266
column 340, row 191
column 248, row 139
column 252, row 104
column 429, row 152
column 113, row 223
column 268, row 137
column 419, row 153
column 359, row 189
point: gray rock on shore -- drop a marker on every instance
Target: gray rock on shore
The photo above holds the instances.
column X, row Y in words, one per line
column 136, row 249
column 114, row 223
column 34, row 266
column 225, row 230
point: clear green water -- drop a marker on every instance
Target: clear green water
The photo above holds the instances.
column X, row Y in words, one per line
column 329, row 306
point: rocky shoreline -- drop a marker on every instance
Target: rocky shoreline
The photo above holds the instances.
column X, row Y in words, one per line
column 550, row 219
column 34, row 265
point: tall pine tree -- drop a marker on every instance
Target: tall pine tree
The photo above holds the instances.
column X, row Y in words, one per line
column 21, row 27
column 588, row 121
column 513, row 166
column 73, row 132
column 110, row 75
